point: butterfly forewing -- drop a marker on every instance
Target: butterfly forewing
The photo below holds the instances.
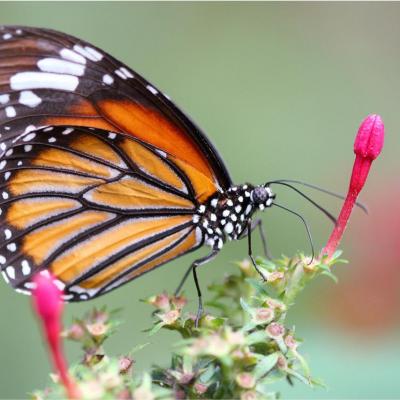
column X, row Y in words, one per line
column 96, row 208
column 50, row 78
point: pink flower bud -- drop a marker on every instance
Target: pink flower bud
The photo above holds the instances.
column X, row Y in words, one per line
column 264, row 315
column 370, row 137
column 160, row 301
column 200, row 388
column 97, row 329
column 249, row 395
column 170, row 316
column 179, row 302
column 245, row 380
column 125, row 364
column 291, row 342
column 48, row 305
column 367, row 147
column 282, row 362
column 275, row 330
column 75, row 332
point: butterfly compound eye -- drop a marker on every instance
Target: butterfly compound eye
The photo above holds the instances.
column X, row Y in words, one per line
column 262, row 195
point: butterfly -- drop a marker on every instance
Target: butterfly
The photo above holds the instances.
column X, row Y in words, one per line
column 103, row 178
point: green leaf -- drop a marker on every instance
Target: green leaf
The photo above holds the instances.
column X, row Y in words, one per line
column 249, row 326
column 138, row 347
column 330, row 275
column 265, row 390
column 261, row 287
column 265, row 365
column 299, row 376
column 208, row 374
column 327, row 271
column 256, row 337
column 156, row 328
column 246, row 307
column 266, row 264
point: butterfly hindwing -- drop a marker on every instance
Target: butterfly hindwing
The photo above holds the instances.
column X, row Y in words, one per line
column 50, row 78
column 96, row 208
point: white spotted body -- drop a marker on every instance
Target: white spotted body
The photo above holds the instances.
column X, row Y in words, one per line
column 226, row 215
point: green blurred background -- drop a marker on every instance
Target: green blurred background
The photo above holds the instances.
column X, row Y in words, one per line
column 281, row 89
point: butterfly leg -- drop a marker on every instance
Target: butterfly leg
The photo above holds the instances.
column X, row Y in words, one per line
column 193, row 268
column 258, row 223
column 250, row 249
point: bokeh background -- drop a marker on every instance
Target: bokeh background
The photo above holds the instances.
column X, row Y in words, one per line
column 281, row 89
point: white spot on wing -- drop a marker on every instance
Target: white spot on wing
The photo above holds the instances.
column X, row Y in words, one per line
column 59, row 284
column 4, row 98
column 26, row 269
column 43, row 80
column 12, row 247
column 152, row 89
column 108, row 79
column 29, row 137
column 126, row 72
column 120, row 74
column 123, row 73
column 7, row 36
column 161, row 153
column 70, row 55
column 30, row 128
column 45, row 273
column 10, row 112
column 67, row 131
column 88, row 52
column 30, row 285
column 97, row 56
column 22, row 291
column 5, row 276
column 60, row 66
column 29, row 99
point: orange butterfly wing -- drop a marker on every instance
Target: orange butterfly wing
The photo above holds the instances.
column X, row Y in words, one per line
column 50, row 78
column 96, row 208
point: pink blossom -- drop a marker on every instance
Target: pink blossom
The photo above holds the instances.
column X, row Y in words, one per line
column 367, row 147
column 48, row 306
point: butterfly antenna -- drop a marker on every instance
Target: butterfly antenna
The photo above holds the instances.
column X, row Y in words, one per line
column 322, row 209
column 337, row 195
column 306, row 226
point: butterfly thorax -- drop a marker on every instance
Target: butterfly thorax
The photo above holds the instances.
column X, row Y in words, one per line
column 226, row 215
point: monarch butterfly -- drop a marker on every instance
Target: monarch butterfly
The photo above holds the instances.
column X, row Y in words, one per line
column 103, row 177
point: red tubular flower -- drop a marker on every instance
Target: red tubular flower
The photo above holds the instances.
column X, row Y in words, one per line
column 367, row 147
column 48, row 306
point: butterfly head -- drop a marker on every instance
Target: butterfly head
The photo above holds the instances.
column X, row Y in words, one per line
column 262, row 197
